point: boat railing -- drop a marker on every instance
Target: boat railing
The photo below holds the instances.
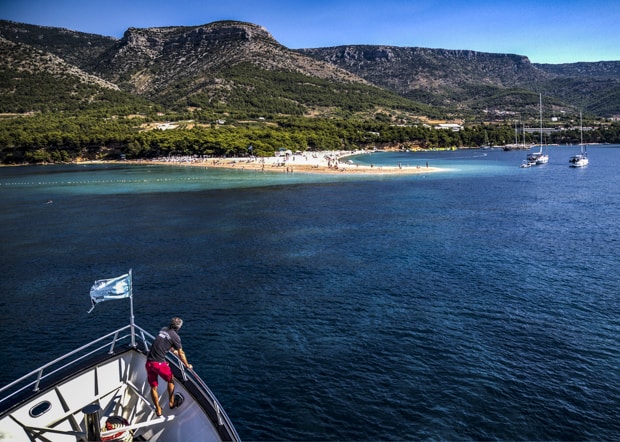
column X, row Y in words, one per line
column 34, row 378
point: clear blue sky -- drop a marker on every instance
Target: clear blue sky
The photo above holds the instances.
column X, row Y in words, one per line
column 547, row 31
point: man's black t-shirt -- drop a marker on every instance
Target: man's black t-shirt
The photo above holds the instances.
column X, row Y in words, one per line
column 166, row 339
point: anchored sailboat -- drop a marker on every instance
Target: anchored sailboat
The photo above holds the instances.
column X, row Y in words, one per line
column 539, row 157
column 581, row 159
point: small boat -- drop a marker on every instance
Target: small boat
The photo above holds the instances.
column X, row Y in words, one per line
column 538, row 158
column 526, row 163
column 580, row 159
column 99, row 392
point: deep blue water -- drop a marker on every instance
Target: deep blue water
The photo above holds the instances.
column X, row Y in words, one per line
column 480, row 303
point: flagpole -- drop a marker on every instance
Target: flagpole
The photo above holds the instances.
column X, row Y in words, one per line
column 131, row 321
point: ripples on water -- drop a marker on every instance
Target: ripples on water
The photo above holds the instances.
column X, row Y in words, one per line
column 471, row 305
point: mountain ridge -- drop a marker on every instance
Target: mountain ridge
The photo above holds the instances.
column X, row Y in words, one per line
column 210, row 48
column 219, row 65
column 439, row 75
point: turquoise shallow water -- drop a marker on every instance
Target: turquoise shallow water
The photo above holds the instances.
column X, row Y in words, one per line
column 477, row 303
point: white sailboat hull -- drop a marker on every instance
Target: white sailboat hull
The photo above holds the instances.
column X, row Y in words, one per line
column 578, row 161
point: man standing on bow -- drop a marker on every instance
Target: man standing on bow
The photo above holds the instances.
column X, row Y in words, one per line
column 156, row 366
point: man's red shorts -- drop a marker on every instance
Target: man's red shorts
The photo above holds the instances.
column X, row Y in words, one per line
column 154, row 369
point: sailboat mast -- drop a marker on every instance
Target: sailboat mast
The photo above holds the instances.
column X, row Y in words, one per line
column 580, row 129
column 541, row 133
column 516, row 134
column 581, row 132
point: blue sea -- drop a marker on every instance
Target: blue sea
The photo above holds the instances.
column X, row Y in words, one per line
column 477, row 303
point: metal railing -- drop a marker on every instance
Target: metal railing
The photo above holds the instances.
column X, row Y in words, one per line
column 62, row 363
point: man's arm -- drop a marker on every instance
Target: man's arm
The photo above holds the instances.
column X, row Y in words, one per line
column 181, row 354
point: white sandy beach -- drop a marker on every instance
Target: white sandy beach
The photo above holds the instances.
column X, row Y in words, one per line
column 309, row 162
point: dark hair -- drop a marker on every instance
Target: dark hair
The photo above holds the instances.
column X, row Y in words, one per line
column 176, row 323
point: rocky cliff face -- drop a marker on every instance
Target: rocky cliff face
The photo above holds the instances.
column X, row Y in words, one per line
column 147, row 61
column 433, row 70
column 21, row 58
column 76, row 48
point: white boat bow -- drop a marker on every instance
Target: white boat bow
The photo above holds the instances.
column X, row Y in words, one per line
column 100, row 392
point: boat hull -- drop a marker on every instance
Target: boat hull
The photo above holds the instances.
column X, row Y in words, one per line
column 578, row 161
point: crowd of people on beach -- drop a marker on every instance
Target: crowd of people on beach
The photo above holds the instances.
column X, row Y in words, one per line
column 328, row 159
column 319, row 162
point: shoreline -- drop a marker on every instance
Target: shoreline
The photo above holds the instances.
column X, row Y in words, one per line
column 328, row 162
column 332, row 162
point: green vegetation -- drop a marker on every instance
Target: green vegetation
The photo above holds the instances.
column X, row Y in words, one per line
column 44, row 92
column 57, row 137
column 251, row 91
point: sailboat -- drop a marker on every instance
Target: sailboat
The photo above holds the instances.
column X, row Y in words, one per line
column 516, row 145
column 581, row 159
column 487, row 144
column 539, row 157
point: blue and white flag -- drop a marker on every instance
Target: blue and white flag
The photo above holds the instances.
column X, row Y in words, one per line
column 110, row 289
